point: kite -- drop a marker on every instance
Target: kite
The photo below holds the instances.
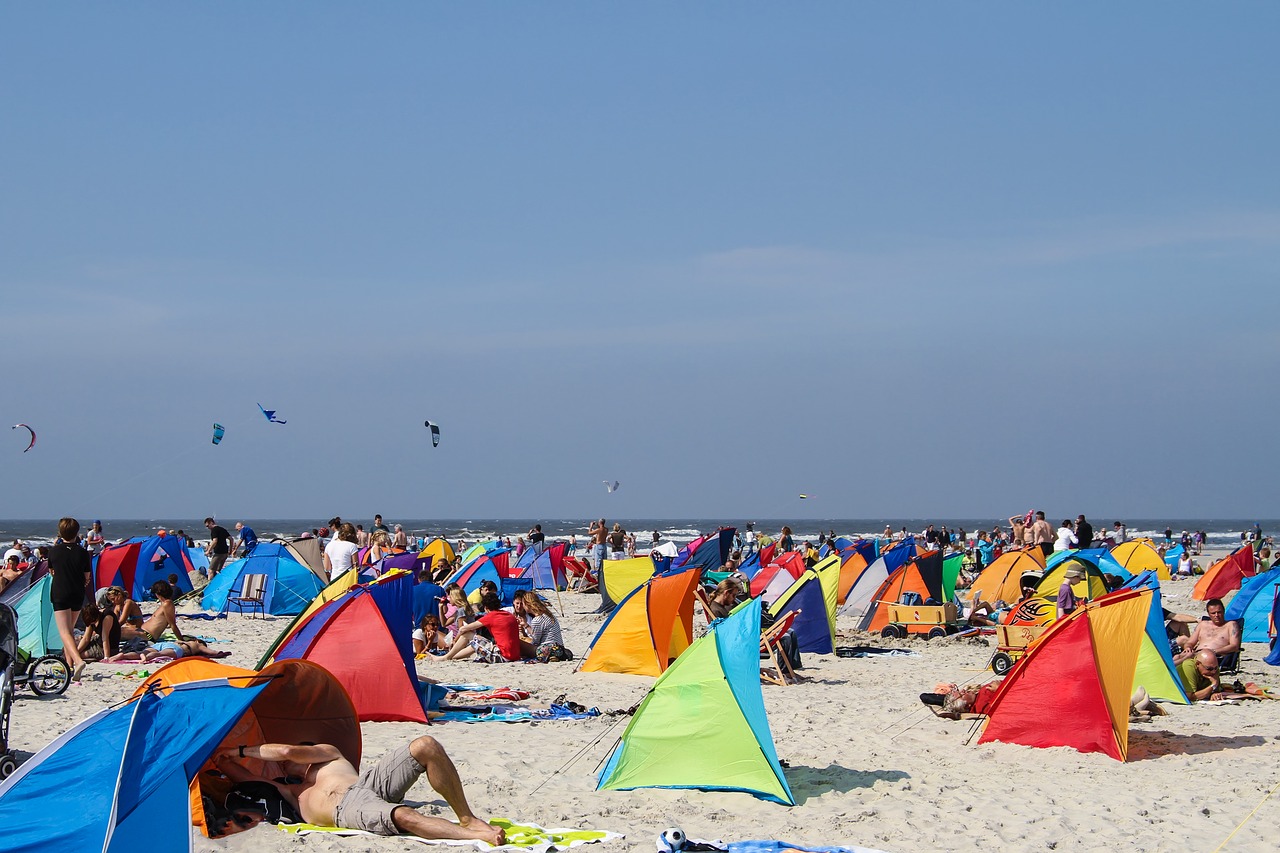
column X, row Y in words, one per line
column 218, row 433
column 804, row 497
column 435, row 433
column 612, row 488
column 270, row 415
column 33, row 436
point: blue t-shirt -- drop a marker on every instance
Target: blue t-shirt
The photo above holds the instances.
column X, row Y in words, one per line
column 247, row 537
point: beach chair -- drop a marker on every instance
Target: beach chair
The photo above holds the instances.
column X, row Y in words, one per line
column 252, row 591
column 581, row 578
column 701, row 594
column 774, row 666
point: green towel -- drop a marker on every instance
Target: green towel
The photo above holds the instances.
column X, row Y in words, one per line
column 520, row 836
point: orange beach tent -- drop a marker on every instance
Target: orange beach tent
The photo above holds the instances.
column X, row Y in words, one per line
column 648, row 629
column 1001, row 581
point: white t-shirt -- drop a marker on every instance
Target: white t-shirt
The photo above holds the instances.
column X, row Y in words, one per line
column 342, row 555
column 1066, row 539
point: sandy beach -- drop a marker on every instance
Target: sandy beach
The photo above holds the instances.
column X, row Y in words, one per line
column 868, row 764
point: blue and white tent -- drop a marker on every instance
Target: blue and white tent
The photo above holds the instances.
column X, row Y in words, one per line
column 290, row 585
column 121, row 778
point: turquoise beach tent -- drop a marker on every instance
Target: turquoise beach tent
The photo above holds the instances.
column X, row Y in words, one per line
column 121, row 776
column 703, row 724
column 1253, row 604
column 37, row 632
column 290, row 584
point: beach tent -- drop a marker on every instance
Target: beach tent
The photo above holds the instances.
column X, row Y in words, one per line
column 620, row 577
column 703, row 724
column 1073, row 686
column 1100, row 557
column 470, row 576
column 1139, row 555
column 137, row 563
column 336, row 587
column 1171, row 557
column 299, row 702
column 289, row 589
column 121, row 778
column 37, row 632
column 750, row 564
column 1093, row 586
column 363, row 637
column 951, row 565
column 439, row 550
column 922, row 575
column 1274, row 657
column 18, row 586
column 712, row 554
column 775, row 578
column 199, row 560
column 648, row 629
column 852, row 565
column 813, row 594
column 1225, row 575
column 1000, row 581
column 1155, row 671
column 1253, row 604
column 482, row 549
column 306, row 550
column 546, row 570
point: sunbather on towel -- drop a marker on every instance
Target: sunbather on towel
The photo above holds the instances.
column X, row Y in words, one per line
column 324, row 789
column 169, row 650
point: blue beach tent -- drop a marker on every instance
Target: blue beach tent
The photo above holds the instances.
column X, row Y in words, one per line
column 290, row 585
column 1100, row 557
column 1253, row 603
column 122, row 775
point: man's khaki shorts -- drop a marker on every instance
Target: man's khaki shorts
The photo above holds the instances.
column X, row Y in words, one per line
column 373, row 799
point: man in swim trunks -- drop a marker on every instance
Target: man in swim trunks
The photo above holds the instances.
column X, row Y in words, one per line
column 1213, row 634
column 162, row 619
column 326, row 790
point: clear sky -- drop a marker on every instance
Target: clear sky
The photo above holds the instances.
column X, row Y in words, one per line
column 910, row 258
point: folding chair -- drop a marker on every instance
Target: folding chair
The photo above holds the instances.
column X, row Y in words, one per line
column 581, row 577
column 774, row 666
column 252, row 591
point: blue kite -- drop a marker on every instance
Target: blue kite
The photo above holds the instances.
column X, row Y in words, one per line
column 270, row 415
column 218, row 433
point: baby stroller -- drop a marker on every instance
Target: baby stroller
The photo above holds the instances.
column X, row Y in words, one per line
column 46, row 676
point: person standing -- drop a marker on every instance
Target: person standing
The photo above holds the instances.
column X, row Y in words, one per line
column 537, row 541
column 1042, row 534
column 70, row 566
column 1084, row 532
column 598, row 532
column 248, row 539
column 617, row 540
column 340, row 553
column 96, row 541
column 219, row 546
column 378, row 526
column 1120, row 532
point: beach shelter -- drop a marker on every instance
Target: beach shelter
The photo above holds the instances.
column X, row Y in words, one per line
column 483, row 549
column 620, row 577
column 1253, row 604
column 775, row 578
column 750, row 563
column 299, row 702
column 1100, row 557
column 648, row 629
column 1091, row 587
column 121, row 778
column 439, row 550
column 1224, row 575
column 813, row 594
column 1139, row 555
column 290, row 584
column 37, row 632
column 852, row 565
column 1073, row 686
column 546, row 569
column 137, row 563
column 1274, row 657
column 18, row 586
column 922, row 576
column 363, row 637
column 951, row 565
column 709, row 554
column 1155, row 670
column 1001, row 581
column 306, row 550
column 703, row 724
column 1172, row 555
column 470, row 576
column 336, row 587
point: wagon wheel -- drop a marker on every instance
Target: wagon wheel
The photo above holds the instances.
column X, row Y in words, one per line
column 1001, row 663
column 936, row 633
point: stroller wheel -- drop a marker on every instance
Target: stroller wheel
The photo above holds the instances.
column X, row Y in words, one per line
column 7, row 765
column 48, row 676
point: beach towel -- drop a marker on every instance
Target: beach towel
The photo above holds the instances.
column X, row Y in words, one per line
column 673, row 841
column 511, row 714
column 205, row 616
column 520, row 836
column 873, row 651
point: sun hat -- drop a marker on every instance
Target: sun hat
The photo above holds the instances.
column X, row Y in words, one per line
column 1075, row 572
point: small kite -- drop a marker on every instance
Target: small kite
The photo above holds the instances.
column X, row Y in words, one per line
column 804, row 497
column 33, row 436
column 612, row 487
column 270, row 415
column 218, row 433
column 435, row 433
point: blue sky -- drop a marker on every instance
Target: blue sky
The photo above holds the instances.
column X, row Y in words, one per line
column 911, row 259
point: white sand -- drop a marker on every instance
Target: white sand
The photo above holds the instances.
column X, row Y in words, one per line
column 868, row 764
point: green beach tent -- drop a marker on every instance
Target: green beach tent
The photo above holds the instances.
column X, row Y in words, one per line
column 703, row 724
column 37, row 632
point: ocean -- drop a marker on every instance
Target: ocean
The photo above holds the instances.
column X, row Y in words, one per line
column 1221, row 532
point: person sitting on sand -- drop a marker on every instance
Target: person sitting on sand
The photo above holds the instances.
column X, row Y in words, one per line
column 540, row 639
column 1213, row 633
column 127, row 611
column 724, row 598
column 455, row 611
column 502, row 642
column 101, row 637
column 428, row 636
column 162, row 619
column 324, row 789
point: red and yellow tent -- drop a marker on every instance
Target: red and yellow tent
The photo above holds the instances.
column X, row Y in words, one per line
column 1225, row 575
column 1073, row 687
